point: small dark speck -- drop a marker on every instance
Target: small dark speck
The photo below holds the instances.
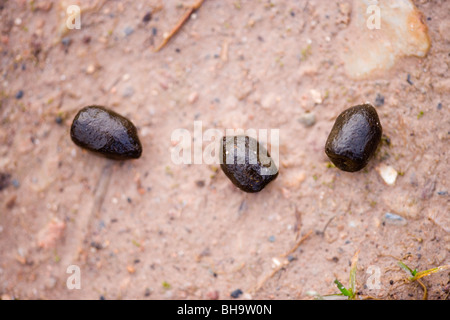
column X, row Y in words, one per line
column 59, row 120
column 292, row 14
column 379, row 100
column 102, row 297
column 19, row 94
column 272, row 239
column 236, row 293
column 154, row 31
column 439, row 106
column 5, row 179
column 66, row 41
column 260, row 38
column 429, row 18
column 391, row 282
column 96, row 245
column 177, row 50
column 408, row 79
column 147, row 17
column 442, row 193
column 136, row 261
column 200, row 183
column 114, row 220
column 15, row 183
column 335, row 259
column 86, row 39
column 129, row 200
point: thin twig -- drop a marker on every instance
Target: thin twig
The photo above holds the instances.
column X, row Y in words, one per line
column 281, row 264
column 180, row 23
column 299, row 242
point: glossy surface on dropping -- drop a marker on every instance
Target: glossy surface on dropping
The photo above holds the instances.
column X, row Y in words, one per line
column 354, row 138
column 247, row 164
column 106, row 133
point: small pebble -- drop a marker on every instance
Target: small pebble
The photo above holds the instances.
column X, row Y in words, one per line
column 128, row 31
column 66, row 41
column 394, row 219
column 59, row 120
column 308, row 119
column 379, row 100
column 316, row 96
column 236, row 293
column 19, row 94
column 213, row 295
column 442, row 193
column 128, row 92
column 193, row 97
column 90, row 69
column 272, row 239
column 439, row 106
column 15, row 183
column 387, row 173
column 408, row 79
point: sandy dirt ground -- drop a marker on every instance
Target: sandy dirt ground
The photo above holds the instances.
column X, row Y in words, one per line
column 152, row 229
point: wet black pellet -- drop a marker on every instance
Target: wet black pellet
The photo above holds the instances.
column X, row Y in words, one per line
column 106, row 133
column 354, row 138
column 247, row 164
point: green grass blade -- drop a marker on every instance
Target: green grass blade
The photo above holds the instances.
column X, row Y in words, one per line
column 422, row 274
column 341, row 288
column 406, row 268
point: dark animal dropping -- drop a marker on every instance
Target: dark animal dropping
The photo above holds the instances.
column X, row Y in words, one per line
column 247, row 164
column 354, row 138
column 106, row 133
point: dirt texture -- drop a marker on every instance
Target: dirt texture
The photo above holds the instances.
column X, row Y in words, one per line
column 152, row 229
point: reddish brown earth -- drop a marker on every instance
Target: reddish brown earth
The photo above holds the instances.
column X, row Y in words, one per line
column 150, row 229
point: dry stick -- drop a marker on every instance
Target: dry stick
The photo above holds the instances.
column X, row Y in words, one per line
column 282, row 264
column 84, row 221
column 180, row 23
column 299, row 242
column 425, row 292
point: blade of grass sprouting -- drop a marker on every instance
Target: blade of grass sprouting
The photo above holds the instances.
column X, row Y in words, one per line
column 424, row 273
column 406, row 268
column 353, row 272
column 341, row 288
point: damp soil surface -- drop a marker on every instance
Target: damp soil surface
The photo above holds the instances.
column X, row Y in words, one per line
column 153, row 229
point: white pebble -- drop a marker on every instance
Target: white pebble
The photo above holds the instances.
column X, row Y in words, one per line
column 387, row 173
